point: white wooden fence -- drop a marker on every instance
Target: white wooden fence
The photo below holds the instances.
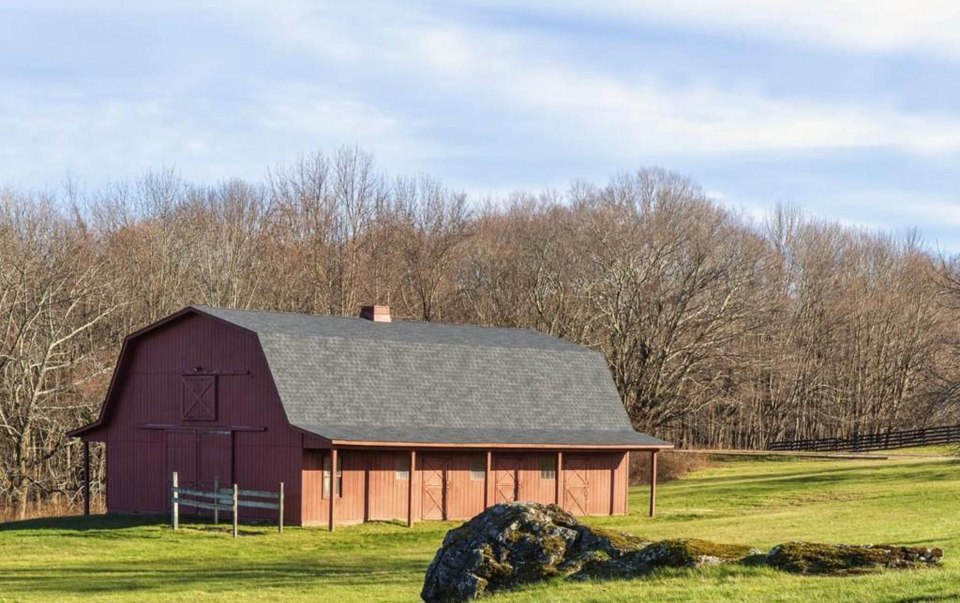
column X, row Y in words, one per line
column 224, row 499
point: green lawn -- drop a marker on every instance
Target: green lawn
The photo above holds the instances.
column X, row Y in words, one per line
column 757, row 502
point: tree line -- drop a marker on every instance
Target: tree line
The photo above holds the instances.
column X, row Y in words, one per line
column 720, row 329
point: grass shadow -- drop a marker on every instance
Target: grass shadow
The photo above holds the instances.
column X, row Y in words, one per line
column 82, row 523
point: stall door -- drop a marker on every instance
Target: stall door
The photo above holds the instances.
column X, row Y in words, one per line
column 434, row 475
column 576, row 485
column 181, row 453
column 507, row 479
column 215, row 459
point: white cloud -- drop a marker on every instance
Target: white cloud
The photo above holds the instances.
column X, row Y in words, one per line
column 414, row 82
column 654, row 116
column 884, row 26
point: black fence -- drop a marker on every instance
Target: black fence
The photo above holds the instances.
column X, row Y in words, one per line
column 874, row 441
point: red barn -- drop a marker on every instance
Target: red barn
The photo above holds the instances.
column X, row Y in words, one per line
column 363, row 418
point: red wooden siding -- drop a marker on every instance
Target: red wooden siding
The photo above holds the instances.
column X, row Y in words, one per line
column 388, row 477
column 464, row 489
column 182, row 392
column 195, row 395
column 447, row 488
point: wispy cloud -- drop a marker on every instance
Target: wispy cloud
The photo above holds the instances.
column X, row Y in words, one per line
column 494, row 95
column 877, row 26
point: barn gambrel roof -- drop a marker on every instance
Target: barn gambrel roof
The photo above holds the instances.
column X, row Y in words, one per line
column 351, row 379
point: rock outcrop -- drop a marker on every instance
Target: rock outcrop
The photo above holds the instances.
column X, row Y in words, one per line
column 512, row 544
column 814, row 558
column 518, row 543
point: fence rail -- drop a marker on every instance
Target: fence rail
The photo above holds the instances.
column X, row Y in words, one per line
column 223, row 499
column 929, row 436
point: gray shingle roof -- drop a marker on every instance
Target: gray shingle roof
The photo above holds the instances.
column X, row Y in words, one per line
column 353, row 379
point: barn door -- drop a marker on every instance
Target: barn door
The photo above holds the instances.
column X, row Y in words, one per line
column 181, row 453
column 434, row 475
column 216, row 462
column 576, row 485
column 507, row 479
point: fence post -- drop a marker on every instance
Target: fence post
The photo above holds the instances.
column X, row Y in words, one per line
column 235, row 510
column 175, row 510
column 216, row 501
column 280, row 523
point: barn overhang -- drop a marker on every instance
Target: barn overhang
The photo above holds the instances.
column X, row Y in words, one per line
column 397, row 437
column 495, row 445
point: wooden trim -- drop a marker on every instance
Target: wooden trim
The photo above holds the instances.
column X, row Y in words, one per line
column 653, row 483
column 613, row 489
column 626, row 484
column 203, row 428
column 204, row 373
column 517, row 447
column 488, row 480
column 333, row 486
column 413, row 469
column 558, row 493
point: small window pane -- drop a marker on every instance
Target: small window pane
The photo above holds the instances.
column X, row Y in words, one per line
column 340, row 476
column 548, row 467
column 403, row 469
column 326, row 476
column 478, row 468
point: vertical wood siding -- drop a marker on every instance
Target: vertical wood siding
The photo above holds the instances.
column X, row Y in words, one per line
column 464, row 490
column 387, row 486
column 150, row 392
column 239, row 434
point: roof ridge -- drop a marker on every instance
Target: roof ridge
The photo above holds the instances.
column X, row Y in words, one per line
column 570, row 348
column 408, row 321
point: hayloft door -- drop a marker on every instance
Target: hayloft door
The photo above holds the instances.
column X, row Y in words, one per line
column 507, row 479
column 434, row 475
column 576, row 485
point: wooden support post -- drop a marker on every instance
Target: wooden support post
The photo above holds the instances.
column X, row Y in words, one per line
column 175, row 508
column 410, row 474
column 558, row 495
column 236, row 508
column 333, row 486
column 613, row 490
column 626, row 485
column 280, row 522
column 653, row 483
column 86, row 477
column 366, row 488
column 216, row 501
column 488, row 481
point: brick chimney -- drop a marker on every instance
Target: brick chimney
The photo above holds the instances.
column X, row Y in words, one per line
column 375, row 313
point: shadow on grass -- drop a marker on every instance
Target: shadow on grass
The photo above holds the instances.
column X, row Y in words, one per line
column 81, row 523
column 248, row 576
column 84, row 522
column 784, row 482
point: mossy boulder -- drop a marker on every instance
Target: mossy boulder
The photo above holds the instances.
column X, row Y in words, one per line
column 816, row 558
column 690, row 553
column 516, row 543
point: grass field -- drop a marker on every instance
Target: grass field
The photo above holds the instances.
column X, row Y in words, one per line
column 756, row 502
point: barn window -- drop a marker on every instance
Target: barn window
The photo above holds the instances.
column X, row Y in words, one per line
column 403, row 469
column 548, row 467
column 327, row 476
column 478, row 468
column 198, row 397
column 340, row 476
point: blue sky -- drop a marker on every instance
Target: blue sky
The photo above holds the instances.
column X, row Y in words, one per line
column 847, row 109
